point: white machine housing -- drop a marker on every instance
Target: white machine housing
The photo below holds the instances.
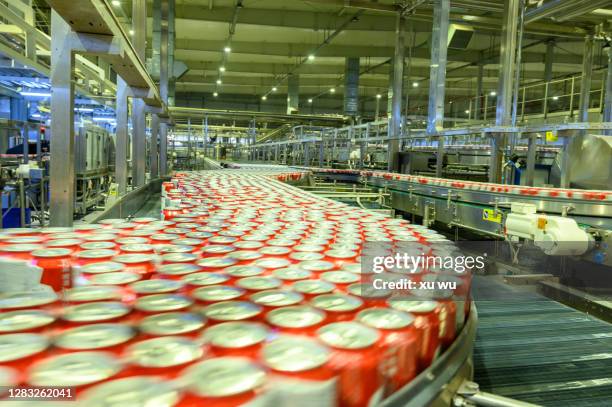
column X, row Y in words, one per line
column 554, row 235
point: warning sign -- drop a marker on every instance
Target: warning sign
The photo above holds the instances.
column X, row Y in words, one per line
column 490, row 215
column 551, row 136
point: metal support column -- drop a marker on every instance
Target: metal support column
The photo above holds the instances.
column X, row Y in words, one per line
column 139, row 141
column 585, row 85
column 549, row 60
column 503, row 115
column 531, row 159
column 479, row 90
column 607, row 111
column 351, row 87
column 396, row 103
column 62, row 167
column 163, row 88
column 154, row 147
column 437, row 87
column 171, row 42
column 121, row 136
column 293, row 93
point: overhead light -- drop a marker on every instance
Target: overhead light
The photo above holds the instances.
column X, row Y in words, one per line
column 116, row 3
column 84, row 109
column 103, row 119
column 35, row 115
column 311, row 57
column 333, row 90
column 264, row 97
column 131, row 32
column 274, row 89
column 227, row 50
column 493, row 93
column 222, row 68
column 555, row 98
column 378, row 96
column 35, row 94
column 415, row 84
column 219, row 82
column 467, row 112
column 215, row 94
column 309, row 100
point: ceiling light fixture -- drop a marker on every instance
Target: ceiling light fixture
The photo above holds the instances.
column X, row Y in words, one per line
column 311, row 57
column 222, row 68
column 219, row 82
column 333, row 90
column 378, row 96
column 227, row 50
column 493, row 93
column 215, row 94
column 116, row 3
column 264, row 97
column 415, row 84
column 274, row 89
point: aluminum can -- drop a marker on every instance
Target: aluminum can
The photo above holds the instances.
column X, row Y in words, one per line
column 298, row 319
column 338, row 307
column 236, row 339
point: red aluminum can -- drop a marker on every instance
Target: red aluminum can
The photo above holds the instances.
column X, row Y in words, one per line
column 95, row 312
column 156, row 286
column 298, row 320
column 227, row 311
column 238, row 272
column 217, row 250
column 57, row 270
column 136, row 248
column 236, row 339
column 218, row 293
column 272, row 299
column 133, row 391
column 239, row 384
column 341, row 279
column 197, row 280
column 446, row 312
column 216, row 263
column 19, row 251
column 28, row 300
column 120, row 279
column 176, row 271
column 185, row 324
column 291, row 274
column 143, row 264
column 72, row 244
column 338, row 307
column 20, row 350
column 257, row 283
column 93, row 256
column 93, row 293
column 356, row 359
column 175, row 258
column 299, row 257
column 164, row 356
column 158, row 303
column 427, row 320
column 317, row 266
column 371, row 297
column 98, row 246
column 162, row 238
column 78, row 370
column 312, row 288
column 99, row 337
column 300, row 367
column 32, row 321
column 401, row 343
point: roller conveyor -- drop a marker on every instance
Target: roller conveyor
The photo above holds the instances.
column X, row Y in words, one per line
column 537, row 350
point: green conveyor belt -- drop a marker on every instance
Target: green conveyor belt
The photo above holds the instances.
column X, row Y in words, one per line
column 537, row 350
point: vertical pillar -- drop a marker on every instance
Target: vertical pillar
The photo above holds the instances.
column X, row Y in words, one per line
column 62, row 167
column 503, row 115
column 156, row 39
column 479, row 90
column 163, row 88
column 396, row 103
column 293, row 93
column 121, row 136
column 607, row 112
column 171, row 42
column 585, row 85
column 139, row 141
column 549, row 59
column 390, row 91
column 351, row 87
column 437, row 77
column 154, row 147
column 531, row 159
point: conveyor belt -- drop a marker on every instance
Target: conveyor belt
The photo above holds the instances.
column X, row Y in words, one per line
column 533, row 349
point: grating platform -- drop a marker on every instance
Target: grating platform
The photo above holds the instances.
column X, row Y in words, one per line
column 534, row 349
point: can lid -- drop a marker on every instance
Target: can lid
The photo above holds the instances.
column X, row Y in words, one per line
column 102, row 267
column 313, row 286
column 20, row 248
column 179, row 257
column 294, row 354
column 178, row 269
column 97, row 245
column 172, row 323
column 156, row 286
column 243, row 271
column 162, row 302
column 63, row 243
column 272, row 263
column 276, row 298
column 100, row 237
column 299, row 316
column 95, row 311
column 340, row 277
column 336, row 302
column 306, row 256
column 164, row 352
column 292, row 273
column 317, row 265
column 174, row 248
column 259, row 283
column 204, row 278
column 248, row 244
column 92, row 293
column 117, row 278
column 74, row 369
column 8, row 377
column 136, row 248
column 411, row 304
column 236, row 334
column 134, row 258
column 367, row 290
column 21, row 345
column 217, row 293
column 223, row 377
column 348, row 335
column 217, row 262
column 23, row 320
column 232, row 310
column 134, row 391
column 218, row 249
column 96, row 254
column 29, row 299
column 94, row 336
column 385, row 318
